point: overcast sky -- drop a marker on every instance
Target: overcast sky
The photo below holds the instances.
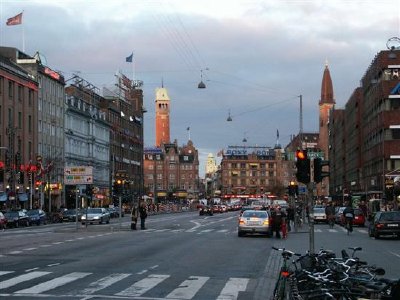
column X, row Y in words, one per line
column 257, row 57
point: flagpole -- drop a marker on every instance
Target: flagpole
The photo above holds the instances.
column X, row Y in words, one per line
column 23, row 37
column 133, row 67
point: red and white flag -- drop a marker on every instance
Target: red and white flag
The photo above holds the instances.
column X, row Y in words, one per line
column 16, row 20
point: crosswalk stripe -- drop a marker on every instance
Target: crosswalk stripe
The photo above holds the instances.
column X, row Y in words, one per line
column 332, row 230
column 223, row 230
column 188, row 288
column 232, row 288
column 21, row 278
column 51, row 284
column 142, row 286
column 104, row 282
column 5, row 272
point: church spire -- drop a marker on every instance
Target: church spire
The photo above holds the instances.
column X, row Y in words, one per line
column 326, row 87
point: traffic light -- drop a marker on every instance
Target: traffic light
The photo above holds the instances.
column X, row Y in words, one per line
column 303, row 166
column 319, row 174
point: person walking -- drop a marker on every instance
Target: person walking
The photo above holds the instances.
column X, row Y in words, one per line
column 290, row 217
column 277, row 216
column 330, row 214
column 284, row 227
column 348, row 214
column 134, row 217
column 143, row 215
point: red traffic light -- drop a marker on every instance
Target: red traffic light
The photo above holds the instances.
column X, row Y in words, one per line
column 300, row 154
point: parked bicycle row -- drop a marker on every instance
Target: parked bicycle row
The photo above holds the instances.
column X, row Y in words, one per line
column 324, row 275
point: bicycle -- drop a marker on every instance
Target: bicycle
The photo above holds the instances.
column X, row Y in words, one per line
column 282, row 285
column 349, row 223
column 331, row 220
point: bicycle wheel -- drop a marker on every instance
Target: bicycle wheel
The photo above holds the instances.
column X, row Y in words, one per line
column 279, row 291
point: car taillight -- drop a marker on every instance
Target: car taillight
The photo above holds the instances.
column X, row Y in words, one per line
column 379, row 225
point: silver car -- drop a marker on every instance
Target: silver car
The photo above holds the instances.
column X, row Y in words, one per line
column 94, row 215
column 255, row 221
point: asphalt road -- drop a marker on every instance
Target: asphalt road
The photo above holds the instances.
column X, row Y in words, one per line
column 179, row 256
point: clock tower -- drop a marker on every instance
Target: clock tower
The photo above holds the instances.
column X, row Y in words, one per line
column 162, row 117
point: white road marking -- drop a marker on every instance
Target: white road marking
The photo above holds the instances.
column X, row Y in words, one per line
column 54, row 283
column 395, row 254
column 232, row 288
column 21, row 278
column 103, row 283
column 15, row 252
column 30, row 270
column 29, row 249
column 142, row 286
column 55, row 264
column 188, row 288
column 5, row 272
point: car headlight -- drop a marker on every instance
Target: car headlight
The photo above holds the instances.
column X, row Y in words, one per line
column 96, row 217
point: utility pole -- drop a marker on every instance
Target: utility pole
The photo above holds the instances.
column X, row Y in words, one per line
column 311, row 188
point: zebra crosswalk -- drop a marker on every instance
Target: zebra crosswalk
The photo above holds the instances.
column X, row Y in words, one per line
column 44, row 284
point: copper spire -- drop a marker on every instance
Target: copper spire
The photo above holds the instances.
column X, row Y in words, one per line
column 326, row 87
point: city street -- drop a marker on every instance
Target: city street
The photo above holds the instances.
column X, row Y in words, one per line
column 179, row 256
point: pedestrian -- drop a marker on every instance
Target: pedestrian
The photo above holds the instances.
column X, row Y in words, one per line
column 134, row 217
column 143, row 215
column 284, row 227
column 290, row 217
column 276, row 215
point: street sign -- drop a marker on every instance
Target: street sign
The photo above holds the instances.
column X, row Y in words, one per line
column 78, row 175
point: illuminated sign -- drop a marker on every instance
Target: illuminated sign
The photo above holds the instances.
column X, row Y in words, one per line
column 51, row 73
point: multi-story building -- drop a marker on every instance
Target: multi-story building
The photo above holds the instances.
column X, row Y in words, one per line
column 18, row 133
column 125, row 109
column 87, row 138
column 252, row 171
column 370, row 132
column 49, row 176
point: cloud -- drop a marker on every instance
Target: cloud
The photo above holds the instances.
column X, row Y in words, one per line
column 257, row 57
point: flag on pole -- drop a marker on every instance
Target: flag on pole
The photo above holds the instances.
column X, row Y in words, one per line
column 277, row 134
column 16, row 20
column 188, row 128
column 129, row 58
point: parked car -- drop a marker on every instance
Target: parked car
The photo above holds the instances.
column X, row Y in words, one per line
column 95, row 215
column 385, row 223
column 16, row 219
column 3, row 221
column 37, row 216
column 69, row 215
column 206, row 210
column 359, row 218
column 254, row 221
column 319, row 215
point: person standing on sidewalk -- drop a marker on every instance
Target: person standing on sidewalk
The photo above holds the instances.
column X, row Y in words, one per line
column 143, row 215
column 134, row 217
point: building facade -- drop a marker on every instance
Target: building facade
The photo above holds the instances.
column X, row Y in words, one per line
column 252, row 171
column 371, row 131
column 87, row 140
column 125, row 110
column 18, row 133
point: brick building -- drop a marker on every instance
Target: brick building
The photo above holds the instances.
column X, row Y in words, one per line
column 365, row 137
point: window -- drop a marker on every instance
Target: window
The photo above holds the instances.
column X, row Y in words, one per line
column 10, row 89
column 19, row 120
